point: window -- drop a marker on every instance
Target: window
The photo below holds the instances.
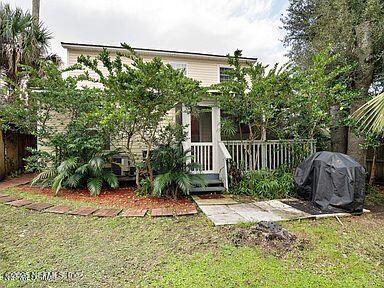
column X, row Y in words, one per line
column 224, row 76
column 179, row 66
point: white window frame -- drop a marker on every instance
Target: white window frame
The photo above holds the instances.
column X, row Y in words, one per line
column 218, row 70
column 180, row 63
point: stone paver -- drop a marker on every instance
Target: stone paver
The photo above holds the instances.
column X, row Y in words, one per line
column 107, row 212
column 272, row 210
column 17, row 181
column 226, row 200
column 59, row 209
column 185, row 211
column 157, row 212
column 216, row 209
column 8, row 199
column 19, row 203
column 134, row 212
column 227, row 218
column 38, row 206
column 83, row 211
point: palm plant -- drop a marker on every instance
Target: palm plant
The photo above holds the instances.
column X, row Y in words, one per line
column 22, row 41
column 73, row 173
column 370, row 116
column 175, row 171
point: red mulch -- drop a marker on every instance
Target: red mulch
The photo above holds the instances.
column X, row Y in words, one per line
column 122, row 197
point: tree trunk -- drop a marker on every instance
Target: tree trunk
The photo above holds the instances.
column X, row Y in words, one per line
column 363, row 81
column 339, row 133
column 36, row 10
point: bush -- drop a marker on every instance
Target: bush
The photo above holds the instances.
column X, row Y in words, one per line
column 74, row 173
column 38, row 161
column 173, row 165
column 265, row 184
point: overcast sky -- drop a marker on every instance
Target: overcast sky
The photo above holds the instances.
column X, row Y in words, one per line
column 210, row 26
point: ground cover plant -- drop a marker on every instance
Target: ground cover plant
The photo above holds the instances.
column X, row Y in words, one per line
column 266, row 184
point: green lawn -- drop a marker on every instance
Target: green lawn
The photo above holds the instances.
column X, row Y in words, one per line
column 188, row 252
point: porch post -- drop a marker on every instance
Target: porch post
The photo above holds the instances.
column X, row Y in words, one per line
column 216, row 137
column 186, row 122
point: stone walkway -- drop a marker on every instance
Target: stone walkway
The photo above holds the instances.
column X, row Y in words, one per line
column 225, row 210
column 92, row 211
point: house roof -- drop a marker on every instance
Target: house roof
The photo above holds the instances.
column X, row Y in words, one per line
column 188, row 54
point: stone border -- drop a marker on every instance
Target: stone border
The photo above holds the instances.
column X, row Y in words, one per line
column 92, row 211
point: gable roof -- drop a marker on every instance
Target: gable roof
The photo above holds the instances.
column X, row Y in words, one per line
column 148, row 51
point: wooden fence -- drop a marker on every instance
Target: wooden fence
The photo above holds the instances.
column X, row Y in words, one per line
column 13, row 150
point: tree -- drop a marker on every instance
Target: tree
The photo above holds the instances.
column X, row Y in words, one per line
column 137, row 97
column 352, row 29
column 315, row 89
column 251, row 98
column 22, row 41
column 36, row 10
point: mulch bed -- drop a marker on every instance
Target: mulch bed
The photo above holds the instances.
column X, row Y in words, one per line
column 122, row 197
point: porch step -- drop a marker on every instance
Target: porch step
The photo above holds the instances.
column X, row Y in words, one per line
column 203, row 190
column 213, row 185
column 212, row 176
column 209, row 182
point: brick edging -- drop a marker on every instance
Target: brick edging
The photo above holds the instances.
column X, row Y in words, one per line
column 63, row 209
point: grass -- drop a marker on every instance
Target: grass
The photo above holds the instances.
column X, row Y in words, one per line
column 187, row 252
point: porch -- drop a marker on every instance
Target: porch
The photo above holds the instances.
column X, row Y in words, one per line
column 213, row 154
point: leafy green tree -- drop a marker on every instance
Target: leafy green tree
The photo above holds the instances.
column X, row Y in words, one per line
column 251, row 98
column 352, row 29
column 314, row 90
column 137, row 97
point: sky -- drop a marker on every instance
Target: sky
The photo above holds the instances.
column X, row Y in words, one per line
column 207, row 26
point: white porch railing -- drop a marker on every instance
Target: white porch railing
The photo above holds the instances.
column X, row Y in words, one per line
column 222, row 159
column 202, row 153
column 268, row 154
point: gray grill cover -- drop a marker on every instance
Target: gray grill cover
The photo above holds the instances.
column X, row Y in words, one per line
column 332, row 181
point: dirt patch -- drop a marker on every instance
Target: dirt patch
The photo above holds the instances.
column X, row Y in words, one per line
column 122, row 197
column 268, row 235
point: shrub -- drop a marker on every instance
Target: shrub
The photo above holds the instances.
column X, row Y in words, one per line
column 37, row 161
column 265, row 184
column 145, row 187
column 173, row 165
column 73, row 173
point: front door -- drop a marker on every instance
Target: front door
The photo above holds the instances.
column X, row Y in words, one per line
column 202, row 148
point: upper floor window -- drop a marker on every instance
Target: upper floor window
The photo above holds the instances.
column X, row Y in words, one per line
column 179, row 66
column 224, row 75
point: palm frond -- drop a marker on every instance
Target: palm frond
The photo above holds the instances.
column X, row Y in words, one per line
column 74, row 180
column 370, row 116
column 94, row 186
column 111, row 179
column 96, row 163
column 183, row 181
column 57, row 183
column 44, row 176
column 66, row 166
column 161, row 182
column 82, row 169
